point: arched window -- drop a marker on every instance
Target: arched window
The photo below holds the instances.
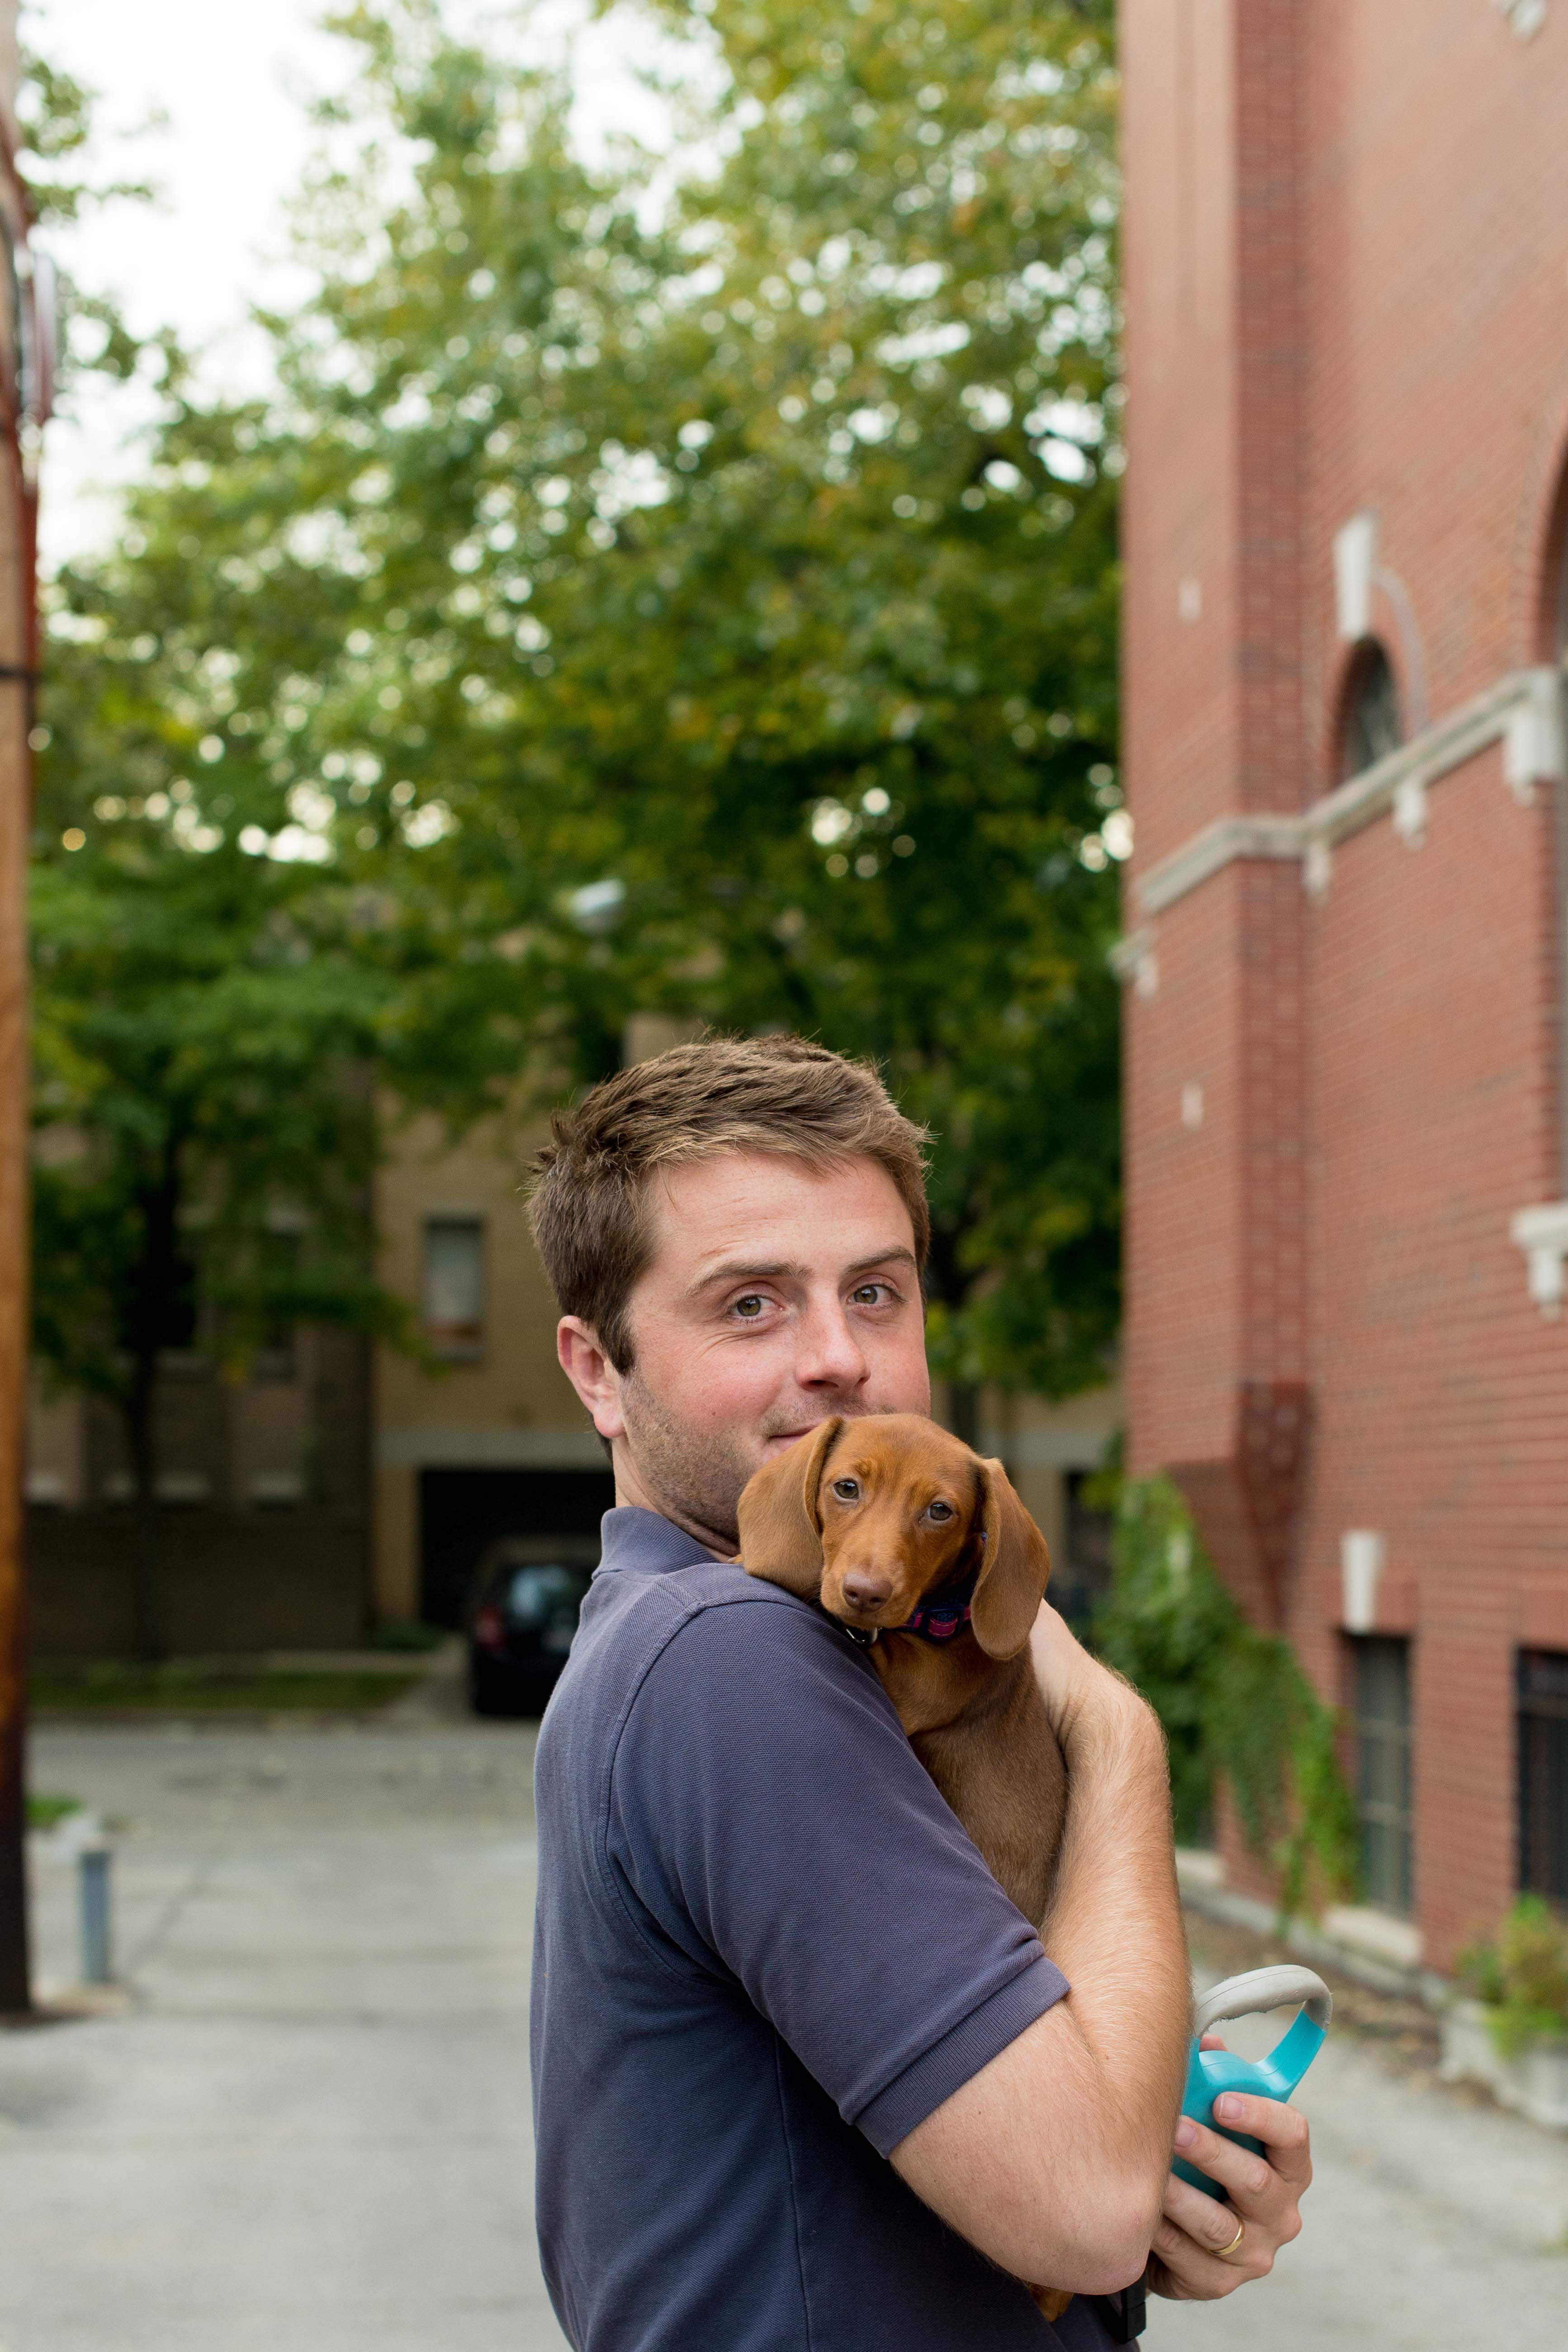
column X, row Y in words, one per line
column 1372, row 727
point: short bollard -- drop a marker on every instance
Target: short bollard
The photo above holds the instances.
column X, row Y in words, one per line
column 97, row 1961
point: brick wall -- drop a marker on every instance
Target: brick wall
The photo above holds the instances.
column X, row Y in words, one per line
column 1347, row 291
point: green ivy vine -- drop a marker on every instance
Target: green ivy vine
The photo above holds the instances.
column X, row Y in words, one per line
column 1234, row 1703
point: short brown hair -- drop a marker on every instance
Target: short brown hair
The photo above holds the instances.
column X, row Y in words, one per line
column 779, row 1095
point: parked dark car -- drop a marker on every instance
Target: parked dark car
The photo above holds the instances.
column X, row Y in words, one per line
column 521, row 1618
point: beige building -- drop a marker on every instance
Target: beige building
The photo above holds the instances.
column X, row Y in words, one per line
column 340, row 1486
column 486, row 1437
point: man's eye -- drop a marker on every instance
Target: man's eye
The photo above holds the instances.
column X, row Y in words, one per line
column 867, row 1294
column 847, row 1489
column 748, row 1307
column 939, row 1511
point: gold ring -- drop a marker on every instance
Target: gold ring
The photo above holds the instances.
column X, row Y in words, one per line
column 1240, row 2233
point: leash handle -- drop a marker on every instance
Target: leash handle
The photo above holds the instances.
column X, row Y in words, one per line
column 1210, row 2071
column 1264, row 1989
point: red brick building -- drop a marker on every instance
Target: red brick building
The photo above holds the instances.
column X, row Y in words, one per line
column 1347, row 508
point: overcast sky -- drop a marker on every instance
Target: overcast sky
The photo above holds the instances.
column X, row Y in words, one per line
column 224, row 71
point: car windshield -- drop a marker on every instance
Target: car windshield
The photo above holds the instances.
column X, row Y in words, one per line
column 533, row 1594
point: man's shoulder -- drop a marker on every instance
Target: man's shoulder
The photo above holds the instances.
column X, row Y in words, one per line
column 699, row 1636
column 671, row 1673
column 629, row 1616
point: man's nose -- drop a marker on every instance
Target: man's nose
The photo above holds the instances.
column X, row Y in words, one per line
column 863, row 1589
column 829, row 1356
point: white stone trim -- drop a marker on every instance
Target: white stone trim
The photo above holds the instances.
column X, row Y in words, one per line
column 1375, row 1935
column 1355, row 567
column 1526, row 17
column 1209, row 852
column 1542, row 1234
column 276, row 1487
column 1373, row 1948
column 1521, row 711
column 1126, row 957
column 1361, row 1556
column 1048, row 1449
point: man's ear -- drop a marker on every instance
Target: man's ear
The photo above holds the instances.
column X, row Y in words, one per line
column 781, row 1533
column 1015, row 1563
column 585, row 1363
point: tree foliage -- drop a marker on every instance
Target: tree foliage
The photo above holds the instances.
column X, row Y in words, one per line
column 56, row 115
column 204, row 1036
column 205, row 1028
column 696, row 602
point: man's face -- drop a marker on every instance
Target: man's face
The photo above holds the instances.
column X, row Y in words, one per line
column 773, row 1298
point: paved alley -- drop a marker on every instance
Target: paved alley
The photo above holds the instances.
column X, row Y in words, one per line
column 311, row 2128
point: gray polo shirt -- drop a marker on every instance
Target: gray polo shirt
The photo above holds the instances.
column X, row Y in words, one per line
column 765, row 1951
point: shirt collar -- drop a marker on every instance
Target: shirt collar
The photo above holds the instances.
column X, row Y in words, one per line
column 647, row 1544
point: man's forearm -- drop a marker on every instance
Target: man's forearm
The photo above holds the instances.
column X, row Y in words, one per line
column 1053, row 2158
column 1115, row 1923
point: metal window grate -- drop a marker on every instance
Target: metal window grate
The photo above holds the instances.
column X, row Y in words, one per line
column 1543, row 1773
column 1382, row 1712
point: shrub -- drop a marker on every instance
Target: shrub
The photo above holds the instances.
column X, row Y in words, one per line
column 1522, row 1977
column 1233, row 1702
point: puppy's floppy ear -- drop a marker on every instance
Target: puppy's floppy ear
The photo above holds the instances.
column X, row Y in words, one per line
column 1013, row 1566
column 781, row 1534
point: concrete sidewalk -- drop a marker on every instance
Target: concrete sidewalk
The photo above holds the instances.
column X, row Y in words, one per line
column 313, row 2128
column 311, row 2131
column 1435, row 2223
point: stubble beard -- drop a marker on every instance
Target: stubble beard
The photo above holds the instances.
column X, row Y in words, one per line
column 698, row 1478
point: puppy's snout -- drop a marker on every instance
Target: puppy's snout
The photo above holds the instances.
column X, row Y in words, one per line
column 862, row 1591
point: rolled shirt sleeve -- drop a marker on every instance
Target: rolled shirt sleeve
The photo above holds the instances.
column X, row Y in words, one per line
column 769, row 1820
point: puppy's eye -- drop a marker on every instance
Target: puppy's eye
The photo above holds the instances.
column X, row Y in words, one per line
column 939, row 1511
column 847, row 1489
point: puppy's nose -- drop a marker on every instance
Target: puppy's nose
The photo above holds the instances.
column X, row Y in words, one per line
column 865, row 1592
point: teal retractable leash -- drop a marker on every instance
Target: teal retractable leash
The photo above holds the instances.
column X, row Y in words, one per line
column 1212, row 2072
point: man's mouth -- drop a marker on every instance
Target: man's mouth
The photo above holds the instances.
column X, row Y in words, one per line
column 777, row 1440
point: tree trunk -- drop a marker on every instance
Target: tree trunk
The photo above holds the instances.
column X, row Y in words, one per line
column 146, row 1597
column 19, row 653
column 153, row 1323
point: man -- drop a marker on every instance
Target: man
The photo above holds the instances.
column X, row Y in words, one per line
column 803, row 2077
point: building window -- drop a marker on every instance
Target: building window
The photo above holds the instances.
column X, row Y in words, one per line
column 1373, row 726
column 1543, row 1773
column 454, row 1286
column 1381, row 1710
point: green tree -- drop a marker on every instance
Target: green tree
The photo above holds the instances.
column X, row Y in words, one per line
column 705, row 603
column 799, row 513
column 205, row 1038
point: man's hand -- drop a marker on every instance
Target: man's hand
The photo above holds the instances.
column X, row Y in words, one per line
column 1264, row 2194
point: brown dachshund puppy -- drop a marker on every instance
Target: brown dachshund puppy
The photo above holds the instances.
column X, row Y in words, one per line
column 924, row 1551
